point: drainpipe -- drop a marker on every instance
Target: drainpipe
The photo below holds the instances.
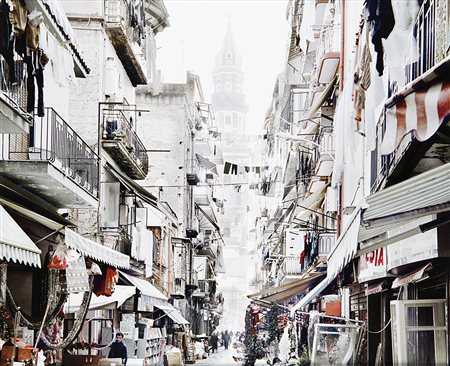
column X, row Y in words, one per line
column 342, row 58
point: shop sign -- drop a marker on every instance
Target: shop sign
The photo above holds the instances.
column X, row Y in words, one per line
column 413, row 249
column 372, row 265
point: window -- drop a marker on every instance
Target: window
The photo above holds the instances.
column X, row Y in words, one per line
column 218, row 87
column 419, row 332
column 228, row 86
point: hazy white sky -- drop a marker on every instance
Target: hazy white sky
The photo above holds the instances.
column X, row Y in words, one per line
column 196, row 32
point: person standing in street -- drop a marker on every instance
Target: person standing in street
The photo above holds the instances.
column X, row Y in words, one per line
column 118, row 349
column 226, row 339
column 214, row 342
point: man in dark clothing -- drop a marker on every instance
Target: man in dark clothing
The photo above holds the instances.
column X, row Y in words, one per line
column 214, row 342
column 226, row 339
column 118, row 349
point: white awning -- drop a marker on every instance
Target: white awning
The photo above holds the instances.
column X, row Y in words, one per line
column 15, row 245
column 119, row 296
column 311, row 294
column 173, row 313
column 94, row 250
column 346, row 245
column 147, row 289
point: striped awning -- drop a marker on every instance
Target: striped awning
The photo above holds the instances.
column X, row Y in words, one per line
column 94, row 250
column 420, row 107
column 15, row 245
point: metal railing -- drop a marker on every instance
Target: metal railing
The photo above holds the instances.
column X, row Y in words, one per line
column 117, row 127
column 425, row 32
column 291, row 265
column 15, row 93
column 326, row 242
column 53, row 140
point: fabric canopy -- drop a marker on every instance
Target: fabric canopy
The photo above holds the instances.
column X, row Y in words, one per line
column 119, row 296
column 346, row 245
column 413, row 276
column 15, row 245
column 420, row 107
column 286, row 291
column 309, row 205
column 312, row 294
column 207, row 164
column 132, row 186
column 173, row 313
column 94, row 250
column 146, row 289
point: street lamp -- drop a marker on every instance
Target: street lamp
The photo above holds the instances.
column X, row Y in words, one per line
column 287, row 136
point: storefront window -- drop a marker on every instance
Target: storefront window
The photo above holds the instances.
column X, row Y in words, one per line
column 419, row 332
column 334, row 344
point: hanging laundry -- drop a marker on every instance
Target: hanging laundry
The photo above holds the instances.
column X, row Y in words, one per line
column 381, row 17
column 35, row 70
column 7, row 40
column 226, row 168
column 18, row 16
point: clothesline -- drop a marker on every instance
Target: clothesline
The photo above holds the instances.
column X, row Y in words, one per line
column 304, row 178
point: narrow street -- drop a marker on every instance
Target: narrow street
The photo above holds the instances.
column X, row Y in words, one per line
column 224, row 358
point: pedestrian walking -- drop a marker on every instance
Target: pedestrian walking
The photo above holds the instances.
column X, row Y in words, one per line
column 118, row 349
column 226, row 339
column 214, row 342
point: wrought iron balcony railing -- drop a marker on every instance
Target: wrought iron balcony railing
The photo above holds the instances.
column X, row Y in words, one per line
column 51, row 139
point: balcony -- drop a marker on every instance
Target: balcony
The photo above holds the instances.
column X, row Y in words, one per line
column 14, row 118
column 291, row 265
column 203, row 144
column 326, row 242
column 126, row 39
column 123, row 144
column 53, row 162
column 325, row 162
column 425, row 42
column 328, row 55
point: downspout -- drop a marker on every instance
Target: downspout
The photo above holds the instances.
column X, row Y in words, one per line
column 341, row 87
column 169, row 266
column 342, row 58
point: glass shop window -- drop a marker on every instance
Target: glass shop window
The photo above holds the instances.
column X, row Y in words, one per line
column 419, row 332
column 334, row 344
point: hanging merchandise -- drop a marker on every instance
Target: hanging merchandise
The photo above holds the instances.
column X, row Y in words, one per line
column 76, row 274
column 59, row 258
column 105, row 284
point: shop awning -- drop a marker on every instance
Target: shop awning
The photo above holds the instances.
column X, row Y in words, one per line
column 376, row 288
column 96, row 251
column 346, row 245
column 173, row 313
column 147, row 289
column 116, row 300
column 412, row 276
column 420, row 107
column 312, row 294
column 425, row 194
column 132, row 186
column 15, row 245
column 284, row 292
